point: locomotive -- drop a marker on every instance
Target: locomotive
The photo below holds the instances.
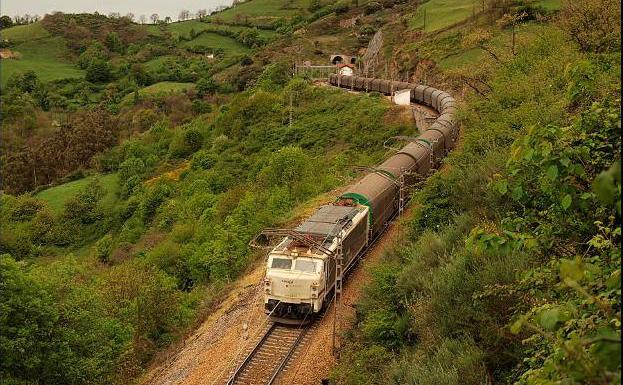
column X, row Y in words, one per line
column 301, row 270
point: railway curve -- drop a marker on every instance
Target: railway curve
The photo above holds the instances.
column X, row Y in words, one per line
column 381, row 190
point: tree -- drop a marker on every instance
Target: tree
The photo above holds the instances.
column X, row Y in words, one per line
column 140, row 75
column 114, row 15
column 27, row 319
column 154, row 18
column 184, row 15
column 98, row 71
column 595, row 25
column 206, row 86
column 142, row 19
column 201, row 13
column 314, row 5
column 85, row 207
column 129, row 16
column 95, row 51
column 113, row 42
column 289, row 166
column 5, row 22
column 167, row 19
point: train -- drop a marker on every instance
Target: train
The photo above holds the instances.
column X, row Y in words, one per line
column 301, row 270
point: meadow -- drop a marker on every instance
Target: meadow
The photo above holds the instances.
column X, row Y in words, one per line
column 37, row 51
column 435, row 15
column 57, row 196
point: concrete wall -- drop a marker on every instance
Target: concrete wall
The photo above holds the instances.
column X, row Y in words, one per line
column 402, row 97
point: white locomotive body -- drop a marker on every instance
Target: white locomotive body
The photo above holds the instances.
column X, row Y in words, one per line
column 299, row 276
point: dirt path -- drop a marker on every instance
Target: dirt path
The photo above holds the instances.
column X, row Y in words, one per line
column 209, row 355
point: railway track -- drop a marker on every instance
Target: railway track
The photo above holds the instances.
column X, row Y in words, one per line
column 271, row 355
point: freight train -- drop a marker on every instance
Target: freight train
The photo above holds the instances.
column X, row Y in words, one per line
column 301, row 270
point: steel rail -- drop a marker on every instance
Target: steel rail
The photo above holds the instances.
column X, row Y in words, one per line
column 288, row 355
column 250, row 356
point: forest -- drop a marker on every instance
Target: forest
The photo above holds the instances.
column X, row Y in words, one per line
column 138, row 161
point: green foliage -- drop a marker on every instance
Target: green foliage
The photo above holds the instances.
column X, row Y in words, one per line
column 85, row 207
column 206, row 87
column 52, row 330
column 203, row 160
column 288, row 167
column 512, row 271
column 98, row 71
column 595, row 25
column 104, row 247
column 273, row 77
column 94, row 52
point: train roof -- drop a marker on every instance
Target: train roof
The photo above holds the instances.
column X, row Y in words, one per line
column 326, row 219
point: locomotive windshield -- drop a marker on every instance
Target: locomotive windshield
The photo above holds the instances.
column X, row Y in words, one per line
column 281, row 263
column 305, row 266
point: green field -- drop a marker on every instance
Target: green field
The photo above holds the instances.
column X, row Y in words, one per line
column 183, row 28
column 500, row 43
column 262, row 8
column 57, row 196
column 22, row 33
column 440, row 14
column 156, row 63
column 213, row 40
column 161, row 88
column 45, row 56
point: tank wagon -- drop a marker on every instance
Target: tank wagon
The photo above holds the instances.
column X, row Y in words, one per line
column 301, row 270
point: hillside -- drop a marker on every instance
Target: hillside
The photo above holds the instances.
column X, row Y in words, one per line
column 139, row 161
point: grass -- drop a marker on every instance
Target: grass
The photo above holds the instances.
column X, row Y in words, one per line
column 166, row 87
column 161, row 88
column 438, row 14
column 550, row 5
column 499, row 43
column 213, row 40
column 435, row 15
column 183, row 28
column 22, row 33
column 57, row 196
column 156, row 63
column 263, row 9
column 45, row 56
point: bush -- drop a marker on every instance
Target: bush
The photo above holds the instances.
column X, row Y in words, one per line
column 85, row 207
column 98, row 71
column 595, row 25
column 131, row 167
column 103, row 248
column 25, row 208
column 203, row 160
column 372, row 7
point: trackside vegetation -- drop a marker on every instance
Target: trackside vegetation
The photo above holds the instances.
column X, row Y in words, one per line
column 511, row 269
column 135, row 254
column 138, row 161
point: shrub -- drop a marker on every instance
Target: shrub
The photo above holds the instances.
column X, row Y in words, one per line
column 203, row 160
column 84, row 207
column 98, row 71
column 193, row 139
column 595, row 25
column 25, row 208
column 131, row 167
column 103, row 248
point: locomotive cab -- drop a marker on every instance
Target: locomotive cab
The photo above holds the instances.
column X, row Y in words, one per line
column 299, row 274
column 294, row 285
